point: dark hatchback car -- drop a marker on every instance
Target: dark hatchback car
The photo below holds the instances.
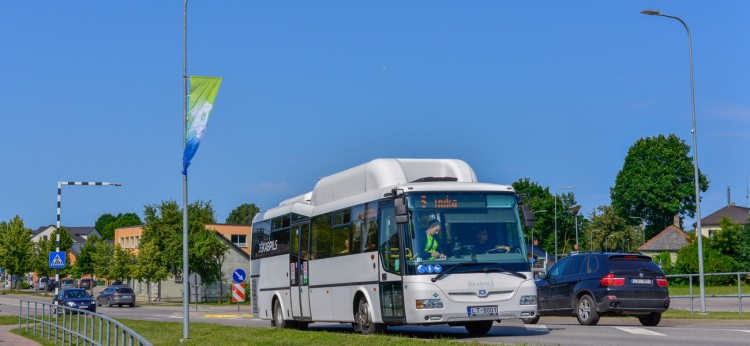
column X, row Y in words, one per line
column 75, row 298
column 86, row 283
column 117, row 295
column 590, row 285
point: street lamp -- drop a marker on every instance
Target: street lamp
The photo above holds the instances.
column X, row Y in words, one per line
column 606, row 242
column 558, row 190
column 575, row 210
column 695, row 157
column 643, row 228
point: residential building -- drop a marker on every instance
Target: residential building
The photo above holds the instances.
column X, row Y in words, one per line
column 671, row 239
column 737, row 214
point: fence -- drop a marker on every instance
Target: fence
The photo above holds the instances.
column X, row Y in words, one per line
column 692, row 297
column 68, row 326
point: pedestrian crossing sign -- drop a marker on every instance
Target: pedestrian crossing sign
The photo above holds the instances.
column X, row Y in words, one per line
column 57, row 260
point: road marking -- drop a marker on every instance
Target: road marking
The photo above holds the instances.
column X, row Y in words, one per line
column 639, row 331
column 536, row 327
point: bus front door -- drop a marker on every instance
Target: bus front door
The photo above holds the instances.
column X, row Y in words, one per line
column 300, row 292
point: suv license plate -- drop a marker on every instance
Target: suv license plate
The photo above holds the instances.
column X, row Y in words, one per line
column 641, row 281
column 483, row 311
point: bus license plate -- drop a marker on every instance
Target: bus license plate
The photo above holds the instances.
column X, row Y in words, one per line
column 641, row 281
column 483, row 311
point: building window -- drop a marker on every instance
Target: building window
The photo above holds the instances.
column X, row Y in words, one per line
column 239, row 239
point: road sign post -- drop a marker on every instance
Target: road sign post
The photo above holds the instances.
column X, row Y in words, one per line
column 238, row 294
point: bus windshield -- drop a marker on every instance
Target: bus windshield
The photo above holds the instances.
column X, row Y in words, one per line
column 463, row 228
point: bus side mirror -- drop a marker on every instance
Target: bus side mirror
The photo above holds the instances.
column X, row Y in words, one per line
column 402, row 214
column 528, row 217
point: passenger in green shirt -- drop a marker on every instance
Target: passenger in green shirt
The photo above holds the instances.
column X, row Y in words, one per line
column 432, row 249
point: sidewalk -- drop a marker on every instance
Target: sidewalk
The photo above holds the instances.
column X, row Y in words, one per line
column 8, row 338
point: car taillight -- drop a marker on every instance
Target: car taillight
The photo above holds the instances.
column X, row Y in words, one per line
column 611, row 280
column 662, row 282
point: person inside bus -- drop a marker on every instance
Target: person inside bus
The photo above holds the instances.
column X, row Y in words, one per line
column 483, row 245
column 346, row 247
column 432, row 249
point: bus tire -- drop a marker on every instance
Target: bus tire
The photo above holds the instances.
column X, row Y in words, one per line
column 479, row 327
column 363, row 323
column 278, row 316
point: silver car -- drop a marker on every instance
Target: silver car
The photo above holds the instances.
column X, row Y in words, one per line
column 116, row 295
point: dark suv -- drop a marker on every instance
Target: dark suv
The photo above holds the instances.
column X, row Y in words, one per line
column 589, row 285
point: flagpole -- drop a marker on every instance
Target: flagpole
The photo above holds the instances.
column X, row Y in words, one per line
column 185, row 284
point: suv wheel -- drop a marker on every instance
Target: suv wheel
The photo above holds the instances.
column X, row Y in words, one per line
column 650, row 320
column 532, row 320
column 586, row 311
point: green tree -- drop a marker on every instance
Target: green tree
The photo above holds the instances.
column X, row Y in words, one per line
column 727, row 239
column 542, row 204
column 610, row 232
column 656, row 182
column 107, row 223
column 122, row 264
column 85, row 263
column 713, row 262
column 15, row 248
column 743, row 250
column 243, row 215
column 207, row 254
column 162, row 238
column 149, row 266
column 102, row 257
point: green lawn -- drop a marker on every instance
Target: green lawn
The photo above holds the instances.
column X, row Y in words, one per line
column 170, row 333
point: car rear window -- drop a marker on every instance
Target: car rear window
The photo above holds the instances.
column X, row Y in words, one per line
column 124, row 290
column 637, row 263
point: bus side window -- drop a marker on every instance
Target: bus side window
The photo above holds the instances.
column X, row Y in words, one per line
column 320, row 246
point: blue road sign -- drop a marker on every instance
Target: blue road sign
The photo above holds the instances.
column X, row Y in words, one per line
column 238, row 276
column 57, row 260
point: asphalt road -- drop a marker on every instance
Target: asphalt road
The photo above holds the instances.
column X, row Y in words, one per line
column 549, row 331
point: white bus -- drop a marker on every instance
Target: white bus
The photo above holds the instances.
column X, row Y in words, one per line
column 393, row 242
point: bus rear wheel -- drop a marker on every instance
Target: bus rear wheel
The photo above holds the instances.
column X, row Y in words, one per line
column 478, row 328
column 363, row 323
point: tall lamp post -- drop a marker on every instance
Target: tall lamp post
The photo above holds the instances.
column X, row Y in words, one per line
column 575, row 210
column 556, row 192
column 695, row 157
column 643, row 227
column 59, row 203
column 606, row 241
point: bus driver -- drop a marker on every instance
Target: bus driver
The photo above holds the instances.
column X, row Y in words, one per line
column 432, row 249
column 484, row 246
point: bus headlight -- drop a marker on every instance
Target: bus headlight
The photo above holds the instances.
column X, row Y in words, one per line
column 528, row 300
column 429, row 304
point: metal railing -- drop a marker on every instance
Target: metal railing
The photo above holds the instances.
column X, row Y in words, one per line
column 692, row 297
column 68, row 326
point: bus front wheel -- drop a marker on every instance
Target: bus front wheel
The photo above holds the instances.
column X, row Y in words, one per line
column 478, row 328
column 363, row 323
column 278, row 316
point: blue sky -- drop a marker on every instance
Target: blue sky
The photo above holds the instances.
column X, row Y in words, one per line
column 553, row 91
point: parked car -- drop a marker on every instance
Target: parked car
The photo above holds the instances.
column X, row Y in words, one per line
column 76, row 298
column 41, row 284
column 51, row 283
column 86, row 283
column 67, row 283
column 590, row 285
column 116, row 295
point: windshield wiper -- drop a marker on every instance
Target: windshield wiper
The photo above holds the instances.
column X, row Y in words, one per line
column 462, row 264
column 479, row 270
